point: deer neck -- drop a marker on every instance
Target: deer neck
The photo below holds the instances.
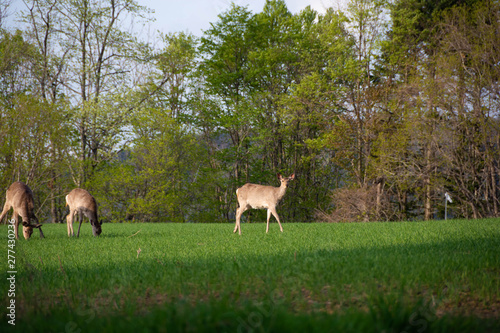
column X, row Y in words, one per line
column 281, row 191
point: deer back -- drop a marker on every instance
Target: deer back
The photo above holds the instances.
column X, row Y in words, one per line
column 82, row 201
column 262, row 196
column 259, row 196
column 20, row 198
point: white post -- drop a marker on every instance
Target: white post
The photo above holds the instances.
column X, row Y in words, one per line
column 446, row 199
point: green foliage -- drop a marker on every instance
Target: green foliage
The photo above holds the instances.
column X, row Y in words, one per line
column 387, row 104
column 175, row 63
column 155, row 179
column 14, row 53
column 354, row 277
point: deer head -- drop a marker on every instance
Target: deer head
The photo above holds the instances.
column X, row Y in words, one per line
column 28, row 229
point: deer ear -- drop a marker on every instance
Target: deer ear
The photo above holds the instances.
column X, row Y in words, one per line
column 279, row 176
column 27, row 224
column 292, row 176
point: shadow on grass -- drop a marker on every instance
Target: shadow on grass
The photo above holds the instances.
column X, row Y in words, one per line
column 221, row 316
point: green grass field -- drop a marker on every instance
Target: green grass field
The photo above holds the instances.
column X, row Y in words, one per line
column 437, row 276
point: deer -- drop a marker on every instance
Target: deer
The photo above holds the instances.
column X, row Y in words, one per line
column 82, row 202
column 19, row 197
column 253, row 196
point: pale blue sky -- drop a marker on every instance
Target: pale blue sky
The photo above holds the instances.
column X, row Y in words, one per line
column 196, row 15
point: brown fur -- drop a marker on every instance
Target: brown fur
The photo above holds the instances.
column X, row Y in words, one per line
column 82, row 202
column 19, row 197
column 253, row 196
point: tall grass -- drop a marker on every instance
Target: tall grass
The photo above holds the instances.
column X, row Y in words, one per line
column 202, row 277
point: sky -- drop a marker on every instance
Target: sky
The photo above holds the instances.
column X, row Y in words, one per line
column 194, row 16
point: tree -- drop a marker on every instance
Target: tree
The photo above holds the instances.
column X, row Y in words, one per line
column 4, row 11
column 99, row 56
column 420, row 107
column 358, row 84
column 384, row 116
column 223, row 112
column 32, row 128
column 48, row 69
column 175, row 63
column 310, row 107
column 468, row 57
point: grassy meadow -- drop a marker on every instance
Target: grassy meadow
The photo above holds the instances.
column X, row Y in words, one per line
column 436, row 276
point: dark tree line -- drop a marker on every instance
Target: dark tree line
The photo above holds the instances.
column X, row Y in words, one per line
column 379, row 109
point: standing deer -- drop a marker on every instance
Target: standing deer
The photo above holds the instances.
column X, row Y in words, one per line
column 261, row 197
column 82, row 202
column 19, row 197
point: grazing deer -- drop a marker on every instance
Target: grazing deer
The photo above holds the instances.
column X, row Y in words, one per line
column 19, row 197
column 82, row 202
column 261, row 197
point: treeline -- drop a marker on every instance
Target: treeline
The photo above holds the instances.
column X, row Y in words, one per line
column 379, row 108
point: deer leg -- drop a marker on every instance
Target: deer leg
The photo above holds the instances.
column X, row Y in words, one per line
column 39, row 227
column 268, row 217
column 273, row 211
column 69, row 222
column 41, row 232
column 239, row 212
column 238, row 217
column 16, row 224
column 236, row 224
column 4, row 212
column 80, row 217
